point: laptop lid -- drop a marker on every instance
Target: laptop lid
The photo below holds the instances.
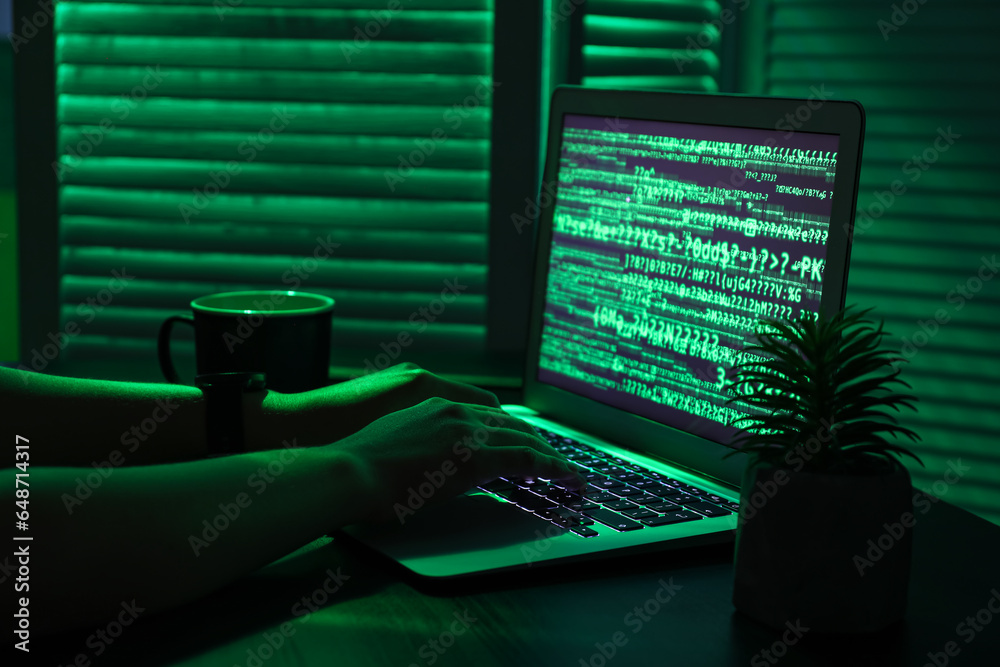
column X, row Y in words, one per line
column 669, row 222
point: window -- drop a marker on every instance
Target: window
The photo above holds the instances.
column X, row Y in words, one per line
column 669, row 44
column 925, row 231
column 339, row 147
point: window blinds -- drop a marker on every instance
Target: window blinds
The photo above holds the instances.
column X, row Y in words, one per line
column 669, row 44
column 332, row 146
column 925, row 74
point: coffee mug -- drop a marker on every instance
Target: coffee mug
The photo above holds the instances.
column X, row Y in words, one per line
column 285, row 335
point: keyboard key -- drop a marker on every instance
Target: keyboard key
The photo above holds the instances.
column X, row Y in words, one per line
column 536, row 504
column 499, row 484
column 732, row 507
column 574, row 518
column 708, row 509
column 584, row 531
column 718, row 500
column 514, row 495
column 613, row 519
column 601, row 497
column 581, row 506
column 621, row 505
column 530, row 501
column 563, row 497
column 629, row 477
column 647, row 499
column 663, row 508
column 640, row 513
column 608, row 483
column 627, row 492
column 673, row 517
column 681, row 498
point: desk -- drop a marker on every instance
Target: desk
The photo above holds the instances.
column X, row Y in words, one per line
column 551, row 618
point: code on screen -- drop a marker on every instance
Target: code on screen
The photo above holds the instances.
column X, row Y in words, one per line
column 669, row 242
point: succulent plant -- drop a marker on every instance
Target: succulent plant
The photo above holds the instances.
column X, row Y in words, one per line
column 819, row 391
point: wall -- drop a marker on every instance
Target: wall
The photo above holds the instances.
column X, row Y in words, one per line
column 8, row 223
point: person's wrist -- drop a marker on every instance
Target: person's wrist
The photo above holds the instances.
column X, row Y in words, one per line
column 355, row 482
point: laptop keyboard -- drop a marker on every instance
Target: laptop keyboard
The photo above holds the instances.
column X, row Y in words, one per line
column 622, row 495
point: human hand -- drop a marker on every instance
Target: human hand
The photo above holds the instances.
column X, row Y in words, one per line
column 450, row 446
column 328, row 414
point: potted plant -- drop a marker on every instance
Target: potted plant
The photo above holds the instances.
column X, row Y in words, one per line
column 826, row 508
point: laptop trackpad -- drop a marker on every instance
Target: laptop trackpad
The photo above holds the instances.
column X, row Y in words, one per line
column 471, row 522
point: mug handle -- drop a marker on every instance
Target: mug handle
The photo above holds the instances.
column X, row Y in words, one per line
column 163, row 347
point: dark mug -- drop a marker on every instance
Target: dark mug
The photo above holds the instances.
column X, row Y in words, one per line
column 285, row 335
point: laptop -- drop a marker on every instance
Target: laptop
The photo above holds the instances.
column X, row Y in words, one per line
column 668, row 223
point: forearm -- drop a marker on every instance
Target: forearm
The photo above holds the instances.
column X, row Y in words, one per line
column 169, row 534
column 79, row 422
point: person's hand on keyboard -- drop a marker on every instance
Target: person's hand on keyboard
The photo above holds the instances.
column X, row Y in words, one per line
column 326, row 415
column 440, row 448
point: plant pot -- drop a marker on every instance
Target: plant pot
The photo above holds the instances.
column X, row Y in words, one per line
column 831, row 551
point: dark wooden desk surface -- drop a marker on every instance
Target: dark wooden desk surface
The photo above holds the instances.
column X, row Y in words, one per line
column 552, row 618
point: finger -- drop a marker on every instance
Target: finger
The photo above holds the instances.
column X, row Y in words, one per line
column 498, row 418
column 466, row 393
column 452, row 390
column 523, row 460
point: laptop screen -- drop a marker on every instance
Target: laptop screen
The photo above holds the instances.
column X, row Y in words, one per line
column 669, row 241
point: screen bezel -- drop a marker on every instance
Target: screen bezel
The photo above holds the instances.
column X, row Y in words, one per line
column 843, row 118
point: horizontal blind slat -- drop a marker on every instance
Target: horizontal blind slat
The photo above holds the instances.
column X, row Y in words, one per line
column 645, row 33
column 272, row 53
column 900, row 231
column 229, row 267
column 699, row 83
column 167, row 298
column 862, row 18
column 324, row 212
column 408, row 26
column 630, row 61
column 679, row 10
column 264, row 179
column 277, row 86
column 944, row 71
column 264, row 117
column 912, row 44
column 287, row 147
column 245, row 238
column 482, row 5
column 887, row 96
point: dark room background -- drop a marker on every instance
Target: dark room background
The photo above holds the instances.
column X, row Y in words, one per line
column 183, row 82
